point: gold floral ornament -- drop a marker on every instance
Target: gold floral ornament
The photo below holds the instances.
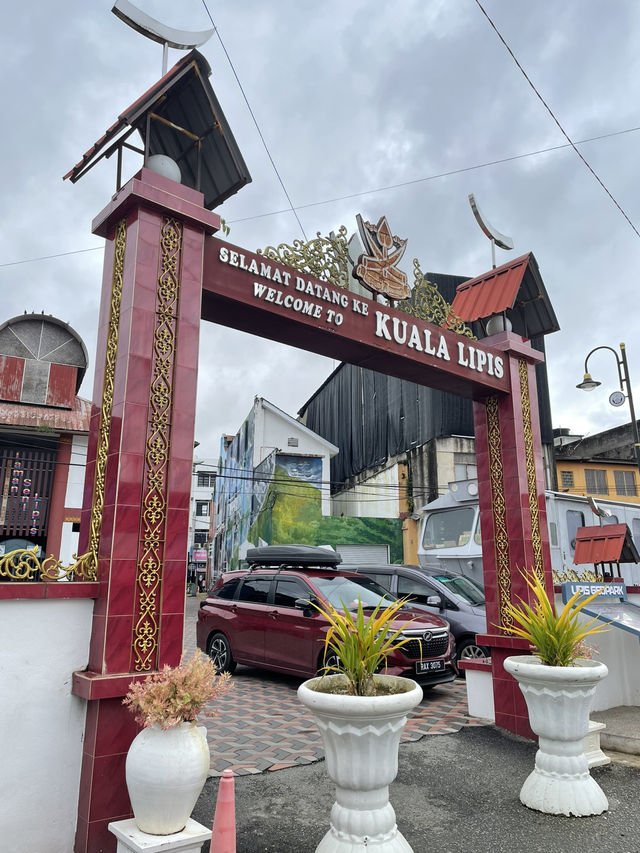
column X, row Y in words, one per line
column 586, row 576
column 326, row 258
column 428, row 304
column 25, row 565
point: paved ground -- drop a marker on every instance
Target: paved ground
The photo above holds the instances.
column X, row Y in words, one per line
column 282, row 733
column 456, row 792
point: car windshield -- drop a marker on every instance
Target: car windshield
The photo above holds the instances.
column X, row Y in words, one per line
column 462, row 588
column 339, row 590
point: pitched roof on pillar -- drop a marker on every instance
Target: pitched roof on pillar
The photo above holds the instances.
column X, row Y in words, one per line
column 515, row 289
column 611, row 543
column 179, row 116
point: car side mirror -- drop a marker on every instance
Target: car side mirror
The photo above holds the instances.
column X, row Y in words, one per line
column 434, row 601
column 304, row 604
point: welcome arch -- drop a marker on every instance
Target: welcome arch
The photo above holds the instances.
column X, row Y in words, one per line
column 163, row 272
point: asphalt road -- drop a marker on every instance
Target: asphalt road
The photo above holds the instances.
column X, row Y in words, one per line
column 455, row 793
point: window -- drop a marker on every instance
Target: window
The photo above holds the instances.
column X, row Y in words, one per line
column 625, row 482
column 200, row 537
column 383, row 578
column 228, row 589
column 610, row 519
column 418, row 591
column 202, row 508
column 575, row 519
column 566, row 480
column 206, row 478
column 255, row 590
column 553, row 534
column 464, row 466
column 596, row 481
column 448, row 528
column 288, row 590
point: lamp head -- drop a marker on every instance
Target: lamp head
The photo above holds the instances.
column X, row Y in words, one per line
column 588, row 384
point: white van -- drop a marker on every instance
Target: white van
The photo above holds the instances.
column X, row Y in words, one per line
column 450, row 536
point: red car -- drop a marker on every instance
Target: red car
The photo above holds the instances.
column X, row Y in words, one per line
column 262, row 617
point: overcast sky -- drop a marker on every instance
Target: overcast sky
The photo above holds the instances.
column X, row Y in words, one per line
column 351, row 96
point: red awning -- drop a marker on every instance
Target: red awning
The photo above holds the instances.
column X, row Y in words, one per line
column 611, row 543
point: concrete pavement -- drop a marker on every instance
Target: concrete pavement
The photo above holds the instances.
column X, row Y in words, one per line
column 455, row 793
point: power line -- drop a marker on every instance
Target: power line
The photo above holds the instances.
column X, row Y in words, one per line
column 553, row 116
column 373, row 190
column 255, row 121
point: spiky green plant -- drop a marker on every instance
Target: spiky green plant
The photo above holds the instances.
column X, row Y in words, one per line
column 361, row 644
column 557, row 639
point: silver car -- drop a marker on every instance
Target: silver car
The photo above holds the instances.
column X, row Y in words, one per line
column 457, row 599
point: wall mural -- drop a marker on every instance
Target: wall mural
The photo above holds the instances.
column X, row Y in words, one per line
column 282, row 504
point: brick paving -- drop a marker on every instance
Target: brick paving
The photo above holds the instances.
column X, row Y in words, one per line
column 261, row 726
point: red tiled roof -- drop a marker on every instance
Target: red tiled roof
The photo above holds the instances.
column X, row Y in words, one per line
column 517, row 288
column 490, row 293
column 604, row 544
column 60, row 420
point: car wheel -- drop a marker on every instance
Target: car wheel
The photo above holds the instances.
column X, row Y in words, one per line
column 331, row 659
column 219, row 651
column 470, row 650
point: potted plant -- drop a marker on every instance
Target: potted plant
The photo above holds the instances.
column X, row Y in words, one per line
column 361, row 713
column 168, row 761
column 558, row 681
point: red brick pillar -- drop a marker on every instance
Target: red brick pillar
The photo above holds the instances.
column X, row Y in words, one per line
column 513, row 514
column 135, row 516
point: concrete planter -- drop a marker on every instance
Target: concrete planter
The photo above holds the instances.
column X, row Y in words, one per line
column 361, row 735
column 559, row 699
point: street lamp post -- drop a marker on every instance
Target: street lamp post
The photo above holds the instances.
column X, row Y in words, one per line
column 588, row 384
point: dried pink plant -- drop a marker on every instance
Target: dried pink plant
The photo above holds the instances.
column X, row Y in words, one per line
column 176, row 695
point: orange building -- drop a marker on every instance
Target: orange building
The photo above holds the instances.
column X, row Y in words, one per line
column 601, row 465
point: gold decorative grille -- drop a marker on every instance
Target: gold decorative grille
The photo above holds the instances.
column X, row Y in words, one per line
column 154, row 501
column 530, row 464
column 585, row 576
column 25, row 565
column 427, row 303
column 326, row 258
column 498, row 508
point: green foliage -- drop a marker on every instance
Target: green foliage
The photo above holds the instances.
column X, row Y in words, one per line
column 334, row 531
column 556, row 639
column 361, row 644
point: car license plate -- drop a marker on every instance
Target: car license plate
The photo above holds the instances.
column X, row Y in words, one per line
column 429, row 666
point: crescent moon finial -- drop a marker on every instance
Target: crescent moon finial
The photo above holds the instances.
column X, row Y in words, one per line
column 497, row 239
column 158, row 32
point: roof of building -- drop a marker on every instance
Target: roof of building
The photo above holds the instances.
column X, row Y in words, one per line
column 611, row 543
column 38, row 417
column 42, row 337
column 515, row 288
column 180, row 116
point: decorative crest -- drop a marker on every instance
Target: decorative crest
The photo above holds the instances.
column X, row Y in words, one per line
column 378, row 270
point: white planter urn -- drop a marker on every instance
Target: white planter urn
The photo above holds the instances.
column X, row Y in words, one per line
column 361, row 736
column 559, row 700
column 165, row 772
